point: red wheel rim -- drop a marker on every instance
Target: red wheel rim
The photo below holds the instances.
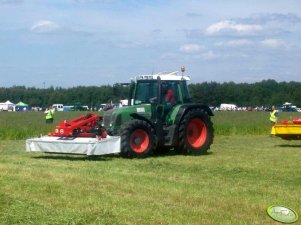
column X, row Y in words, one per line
column 196, row 132
column 139, row 140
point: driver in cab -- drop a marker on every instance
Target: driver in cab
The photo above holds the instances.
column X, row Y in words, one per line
column 169, row 96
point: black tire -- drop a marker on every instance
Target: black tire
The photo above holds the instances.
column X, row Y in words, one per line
column 137, row 139
column 195, row 133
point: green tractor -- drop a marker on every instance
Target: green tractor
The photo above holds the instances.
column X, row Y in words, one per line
column 160, row 116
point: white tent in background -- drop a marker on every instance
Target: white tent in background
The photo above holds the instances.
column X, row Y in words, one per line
column 7, row 106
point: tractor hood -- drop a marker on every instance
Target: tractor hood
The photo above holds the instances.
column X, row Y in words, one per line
column 113, row 119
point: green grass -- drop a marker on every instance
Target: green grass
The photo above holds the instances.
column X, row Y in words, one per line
column 18, row 126
column 22, row 125
column 234, row 183
column 246, row 123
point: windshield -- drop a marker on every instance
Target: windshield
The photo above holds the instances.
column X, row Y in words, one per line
column 145, row 91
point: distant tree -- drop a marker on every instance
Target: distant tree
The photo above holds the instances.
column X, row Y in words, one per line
column 266, row 92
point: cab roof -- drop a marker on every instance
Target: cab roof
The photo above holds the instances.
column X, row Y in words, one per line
column 164, row 76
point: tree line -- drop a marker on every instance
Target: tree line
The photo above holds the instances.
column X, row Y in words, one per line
column 266, row 93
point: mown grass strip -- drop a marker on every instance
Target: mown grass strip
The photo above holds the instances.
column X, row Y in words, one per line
column 233, row 184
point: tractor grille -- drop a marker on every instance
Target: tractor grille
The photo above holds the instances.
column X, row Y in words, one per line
column 107, row 118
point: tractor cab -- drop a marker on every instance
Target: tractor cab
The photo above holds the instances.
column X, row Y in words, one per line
column 154, row 88
column 162, row 91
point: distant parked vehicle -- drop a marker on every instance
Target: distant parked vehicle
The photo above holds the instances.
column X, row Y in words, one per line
column 58, row 107
column 289, row 107
column 68, row 108
column 228, row 107
column 79, row 107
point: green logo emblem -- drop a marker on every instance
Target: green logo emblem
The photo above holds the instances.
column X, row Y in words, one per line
column 282, row 214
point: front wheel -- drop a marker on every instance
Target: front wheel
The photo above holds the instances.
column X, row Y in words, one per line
column 195, row 132
column 137, row 139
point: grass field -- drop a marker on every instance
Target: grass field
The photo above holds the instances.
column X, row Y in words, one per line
column 19, row 126
column 243, row 174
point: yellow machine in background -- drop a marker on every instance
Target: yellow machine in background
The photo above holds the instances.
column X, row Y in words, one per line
column 288, row 130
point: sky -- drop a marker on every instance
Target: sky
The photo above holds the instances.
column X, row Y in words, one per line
column 68, row 43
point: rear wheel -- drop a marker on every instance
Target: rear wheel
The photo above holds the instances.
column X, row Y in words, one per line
column 137, row 139
column 195, row 132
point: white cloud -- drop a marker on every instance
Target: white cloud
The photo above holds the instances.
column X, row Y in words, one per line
column 235, row 43
column 230, row 26
column 44, row 26
column 209, row 55
column 191, row 48
column 272, row 43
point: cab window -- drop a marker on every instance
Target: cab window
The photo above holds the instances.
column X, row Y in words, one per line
column 184, row 91
column 145, row 91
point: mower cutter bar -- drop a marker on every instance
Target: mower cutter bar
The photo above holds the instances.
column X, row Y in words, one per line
column 75, row 145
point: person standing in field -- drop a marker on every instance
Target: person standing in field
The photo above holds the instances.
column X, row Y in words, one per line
column 49, row 115
column 273, row 115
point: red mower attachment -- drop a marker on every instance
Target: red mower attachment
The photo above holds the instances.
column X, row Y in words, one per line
column 83, row 126
column 294, row 121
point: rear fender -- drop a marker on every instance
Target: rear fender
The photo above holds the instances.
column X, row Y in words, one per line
column 182, row 112
column 185, row 108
